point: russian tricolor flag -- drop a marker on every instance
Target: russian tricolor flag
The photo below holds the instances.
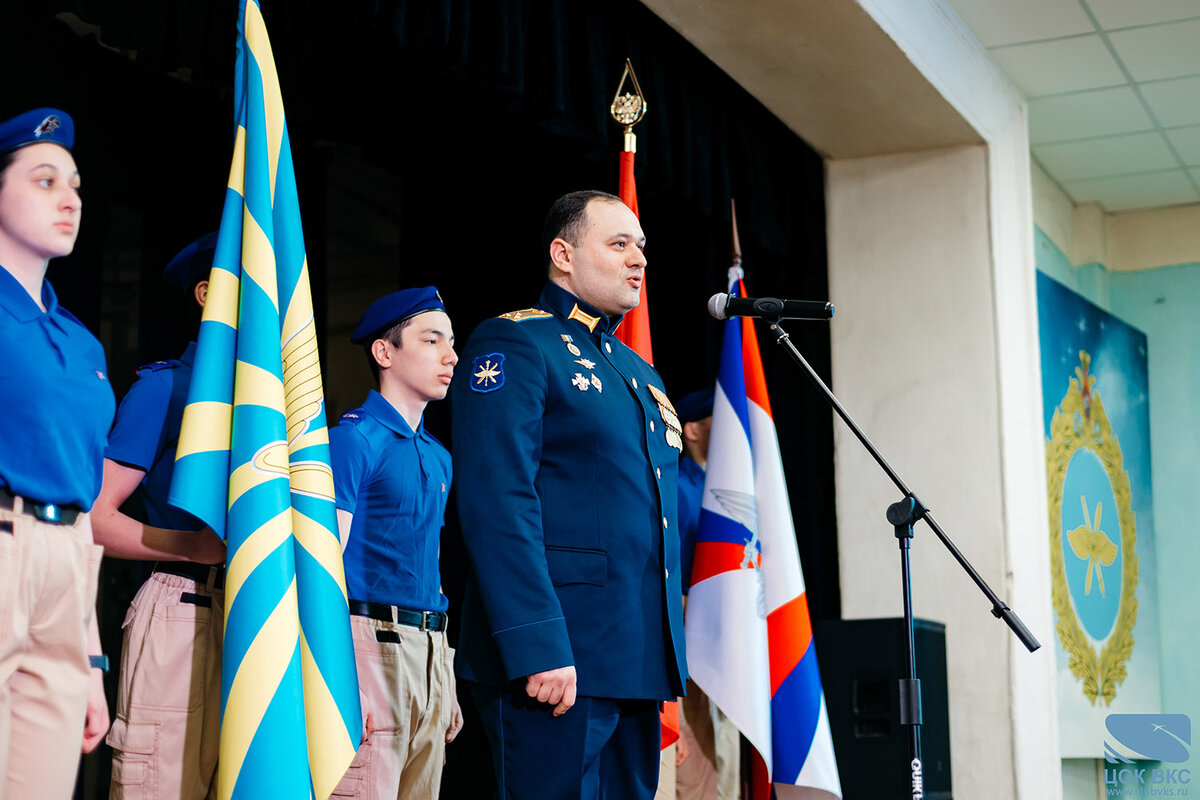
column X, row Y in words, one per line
column 749, row 636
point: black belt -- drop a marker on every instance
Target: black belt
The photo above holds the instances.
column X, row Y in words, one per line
column 422, row 620
column 197, row 572
column 53, row 513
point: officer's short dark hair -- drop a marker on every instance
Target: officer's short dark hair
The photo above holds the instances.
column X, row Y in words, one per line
column 395, row 335
column 567, row 216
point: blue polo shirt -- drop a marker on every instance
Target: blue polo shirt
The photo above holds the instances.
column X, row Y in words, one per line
column 55, row 400
column 146, row 434
column 691, row 493
column 395, row 482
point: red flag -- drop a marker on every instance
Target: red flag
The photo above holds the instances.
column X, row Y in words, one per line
column 635, row 329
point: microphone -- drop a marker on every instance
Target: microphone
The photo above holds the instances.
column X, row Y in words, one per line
column 724, row 306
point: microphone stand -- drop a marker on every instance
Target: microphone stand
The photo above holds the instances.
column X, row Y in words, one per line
column 902, row 515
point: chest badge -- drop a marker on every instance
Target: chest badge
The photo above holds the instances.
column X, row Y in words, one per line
column 674, row 429
column 571, row 347
column 487, row 373
column 581, row 383
column 596, row 382
column 585, row 363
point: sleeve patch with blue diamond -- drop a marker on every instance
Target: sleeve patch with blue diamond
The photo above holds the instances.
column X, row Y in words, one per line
column 487, row 372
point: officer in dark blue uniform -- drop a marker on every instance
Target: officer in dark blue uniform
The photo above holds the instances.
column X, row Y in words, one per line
column 55, row 408
column 392, row 479
column 168, row 700
column 566, row 452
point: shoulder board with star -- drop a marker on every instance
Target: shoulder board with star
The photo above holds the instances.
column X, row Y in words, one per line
column 526, row 313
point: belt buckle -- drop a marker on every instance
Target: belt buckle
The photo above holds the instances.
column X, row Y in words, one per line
column 425, row 615
column 47, row 512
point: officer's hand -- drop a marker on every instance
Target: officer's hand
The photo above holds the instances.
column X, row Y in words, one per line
column 555, row 686
column 209, row 549
column 95, row 724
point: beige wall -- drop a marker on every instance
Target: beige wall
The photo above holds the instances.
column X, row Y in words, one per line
column 917, row 362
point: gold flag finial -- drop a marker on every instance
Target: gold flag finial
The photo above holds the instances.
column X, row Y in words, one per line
column 628, row 109
column 737, row 245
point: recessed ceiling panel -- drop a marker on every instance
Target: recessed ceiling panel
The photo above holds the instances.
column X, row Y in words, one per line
column 1131, row 192
column 1112, row 155
column 1174, row 102
column 1160, row 51
column 1085, row 115
column 1186, row 142
column 1016, row 21
column 1125, row 13
column 1060, row 66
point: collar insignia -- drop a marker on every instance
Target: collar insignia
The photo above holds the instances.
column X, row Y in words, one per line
column 582, row 316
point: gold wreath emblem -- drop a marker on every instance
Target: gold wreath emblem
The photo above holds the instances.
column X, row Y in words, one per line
column 1080, row 423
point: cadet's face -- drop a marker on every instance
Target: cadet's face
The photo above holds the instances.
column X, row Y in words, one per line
column 39, row 202
column 425, row 364
column 608, row 264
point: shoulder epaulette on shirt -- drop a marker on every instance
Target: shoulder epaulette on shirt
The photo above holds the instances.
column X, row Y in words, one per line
column 155, row 366
column 526, row 313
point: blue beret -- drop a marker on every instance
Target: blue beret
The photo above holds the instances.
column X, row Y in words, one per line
column 39, row 125
column 695, row 406
column 191, row 264
column 393, row 308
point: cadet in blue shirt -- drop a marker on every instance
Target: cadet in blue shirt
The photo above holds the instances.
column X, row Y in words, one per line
column 695, row 416
column 169, row 695
column 391, row 479
column 566, row 451
column 55, row 408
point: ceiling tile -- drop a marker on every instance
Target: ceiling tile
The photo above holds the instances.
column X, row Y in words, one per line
column 1022, row 20
column 1159, row 51
column 1187, row 144
column 1112, row 155
column 1124, row 13
column 1060, row 66
column 1087, row 114
column 1128, row 192
column 1174, row 102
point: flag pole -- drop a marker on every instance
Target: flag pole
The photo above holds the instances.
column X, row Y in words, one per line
column 627, row 109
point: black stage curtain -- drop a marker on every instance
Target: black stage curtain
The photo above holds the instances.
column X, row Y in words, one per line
column 481, row 112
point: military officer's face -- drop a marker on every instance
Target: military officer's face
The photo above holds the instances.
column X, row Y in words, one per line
column 39, row 202
column 424, row 363
column 607, row 266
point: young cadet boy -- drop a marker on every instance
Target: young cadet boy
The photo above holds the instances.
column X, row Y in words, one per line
column 164, row 737
column 391, row 479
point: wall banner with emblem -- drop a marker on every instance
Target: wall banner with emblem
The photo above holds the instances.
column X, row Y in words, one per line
column 1095, row 396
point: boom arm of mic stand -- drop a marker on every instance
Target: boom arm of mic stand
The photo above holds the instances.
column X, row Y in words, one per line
column 1000, row 609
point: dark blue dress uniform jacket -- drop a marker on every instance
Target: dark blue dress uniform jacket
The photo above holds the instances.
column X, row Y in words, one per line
column 567, row 495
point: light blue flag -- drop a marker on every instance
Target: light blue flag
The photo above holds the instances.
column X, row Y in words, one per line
column 253, row 463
